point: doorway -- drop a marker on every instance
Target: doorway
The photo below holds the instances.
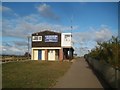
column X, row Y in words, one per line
column 39, row 54
column 51, row 55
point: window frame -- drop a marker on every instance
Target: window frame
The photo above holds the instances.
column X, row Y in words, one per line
column 38, row 38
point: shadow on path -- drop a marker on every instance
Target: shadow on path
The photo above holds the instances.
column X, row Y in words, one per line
column 105, row 85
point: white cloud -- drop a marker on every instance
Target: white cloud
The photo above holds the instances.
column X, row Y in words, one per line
column 47, row 12
column 20, row 43
column 13, row 31
column 5, row 9
column 101, row 34
column 14, row 47
column 13, row 50
column 43, row 7
column 85, row 41
column 32, row 18
column 21, row 27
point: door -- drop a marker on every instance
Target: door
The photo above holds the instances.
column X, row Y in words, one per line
column 51, row 55
column 39, row 54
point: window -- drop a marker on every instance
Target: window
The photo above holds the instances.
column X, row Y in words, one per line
column 67, row 37
column 37, row 38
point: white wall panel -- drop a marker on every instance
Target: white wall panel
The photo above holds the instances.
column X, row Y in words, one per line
column 35, row 54
column 51, row 55
column 43, row 54
column 66, row 40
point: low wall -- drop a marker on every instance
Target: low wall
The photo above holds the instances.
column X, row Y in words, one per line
column 106, row 71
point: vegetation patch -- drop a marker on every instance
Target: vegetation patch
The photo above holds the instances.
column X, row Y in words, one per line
column 108, row 52
column 32, row 74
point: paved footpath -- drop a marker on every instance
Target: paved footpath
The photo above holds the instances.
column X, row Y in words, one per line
column 79, row 76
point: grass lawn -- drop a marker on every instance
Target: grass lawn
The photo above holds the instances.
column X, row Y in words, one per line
column 32, row 74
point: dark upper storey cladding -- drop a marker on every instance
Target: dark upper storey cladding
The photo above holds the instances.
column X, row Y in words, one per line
column 43, row 43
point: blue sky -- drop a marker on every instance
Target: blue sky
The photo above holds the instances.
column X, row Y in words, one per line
column 91, row 21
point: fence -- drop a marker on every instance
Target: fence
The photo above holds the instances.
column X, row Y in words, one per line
column 13, row 58
column 106, row 71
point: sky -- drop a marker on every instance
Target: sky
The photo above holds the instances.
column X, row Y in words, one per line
column 91, row 21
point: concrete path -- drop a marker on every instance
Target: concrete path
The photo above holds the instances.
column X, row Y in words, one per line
column 79, row 76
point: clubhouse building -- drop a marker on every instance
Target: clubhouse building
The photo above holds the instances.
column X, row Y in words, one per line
column 51, row 46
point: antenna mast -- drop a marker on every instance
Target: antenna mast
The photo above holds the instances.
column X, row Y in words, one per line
column 71, row 28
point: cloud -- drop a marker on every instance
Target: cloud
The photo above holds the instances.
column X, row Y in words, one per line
column 20, row 43
column 16, row 28
column 102, row 35
column 47, row 12
column 14, row 47
column 13, row 50
column 97, row 35
column 22, row 27
column 5, row 9
column 34, row 18
column 11, row 31
column 85, row 41
column 6, row 44
column 8, row 13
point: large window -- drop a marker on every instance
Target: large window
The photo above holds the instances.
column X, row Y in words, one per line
column 37, row 38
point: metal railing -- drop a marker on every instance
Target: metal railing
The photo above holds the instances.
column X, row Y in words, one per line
column 13, row 58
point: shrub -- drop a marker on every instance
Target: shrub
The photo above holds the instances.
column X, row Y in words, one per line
column 108, row 51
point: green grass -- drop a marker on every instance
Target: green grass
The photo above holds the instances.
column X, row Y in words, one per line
column 32, row 74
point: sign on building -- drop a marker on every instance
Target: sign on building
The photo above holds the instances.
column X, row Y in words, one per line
column 51, row 38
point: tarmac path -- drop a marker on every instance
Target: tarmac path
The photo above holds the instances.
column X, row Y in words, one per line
column 79, row 75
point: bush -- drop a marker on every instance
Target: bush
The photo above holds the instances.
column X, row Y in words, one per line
column 108, row 51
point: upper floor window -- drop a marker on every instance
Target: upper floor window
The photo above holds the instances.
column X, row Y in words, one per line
column 36, row 38
column 67, row 38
